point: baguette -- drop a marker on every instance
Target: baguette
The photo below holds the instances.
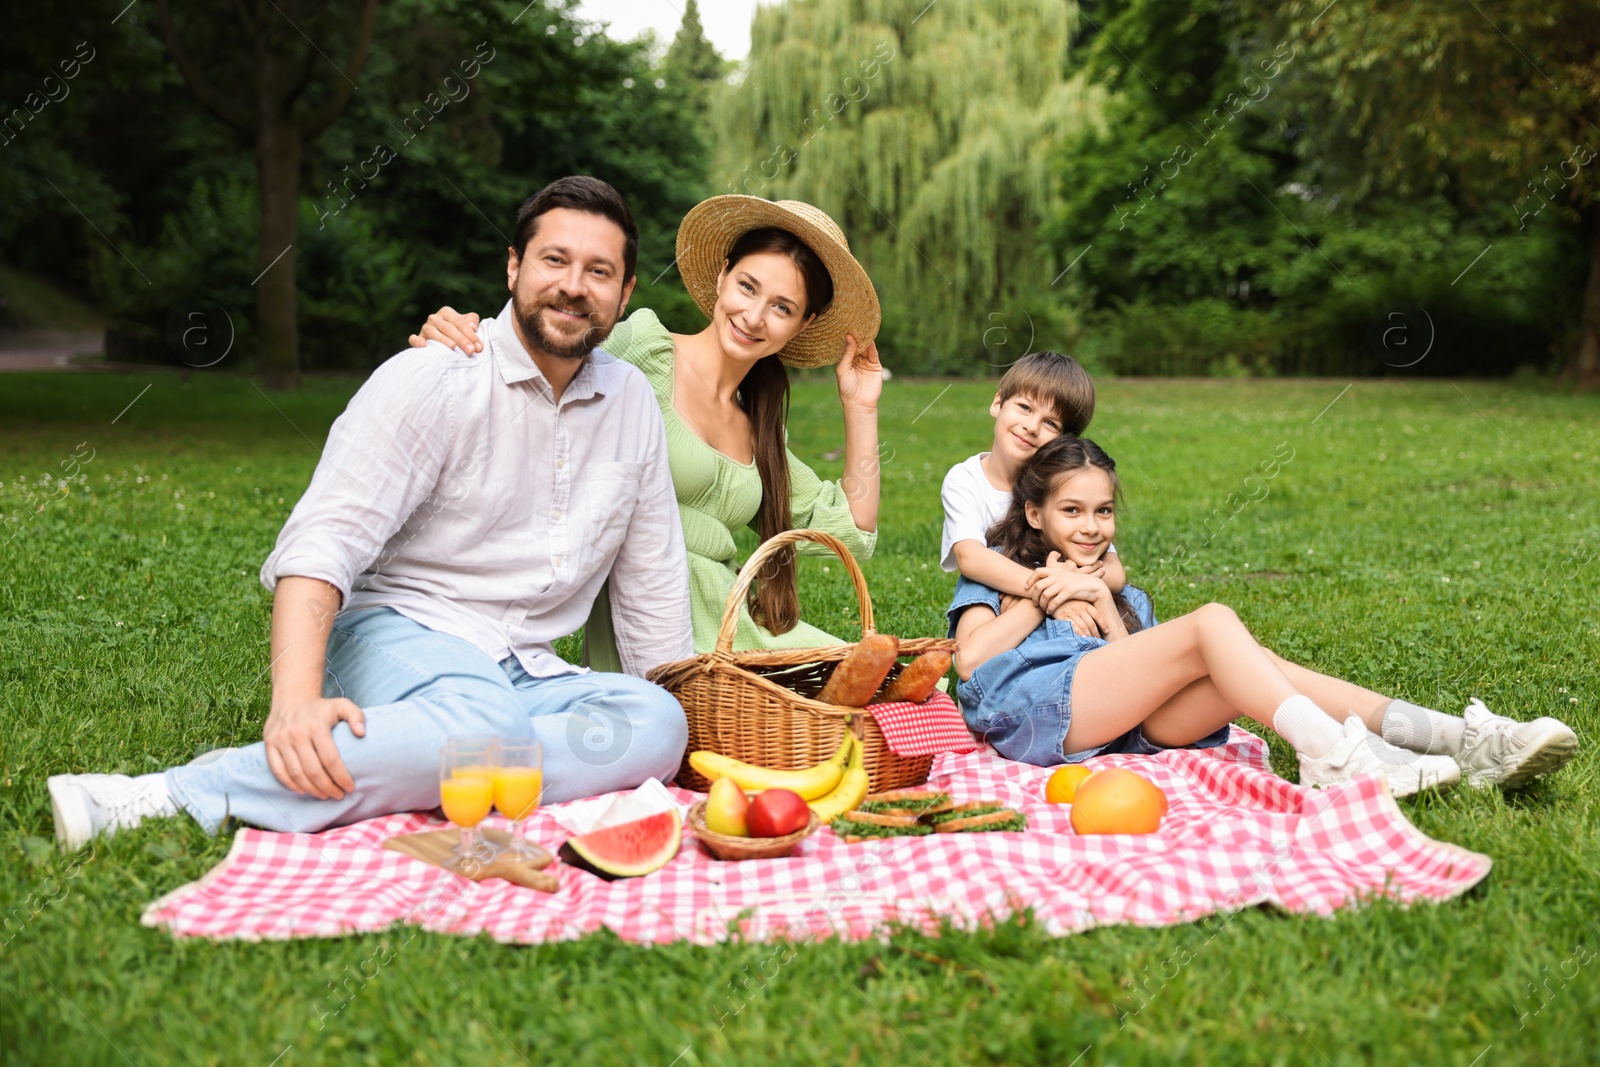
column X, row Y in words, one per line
column 918, row 679
column 862, row 671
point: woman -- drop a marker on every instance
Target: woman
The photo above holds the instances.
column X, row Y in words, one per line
column 782, row 290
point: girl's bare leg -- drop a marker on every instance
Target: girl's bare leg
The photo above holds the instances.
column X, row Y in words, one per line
column 1335, row 696
column 1196, row 710
column 1127, row 682
column 1199, row 703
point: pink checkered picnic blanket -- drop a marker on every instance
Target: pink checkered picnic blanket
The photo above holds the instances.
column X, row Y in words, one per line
column 1236, row 835
column 931, row 728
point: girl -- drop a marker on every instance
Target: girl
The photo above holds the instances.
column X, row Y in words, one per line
column 1040, row 694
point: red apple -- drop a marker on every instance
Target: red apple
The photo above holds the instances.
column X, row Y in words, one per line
column 777, row 812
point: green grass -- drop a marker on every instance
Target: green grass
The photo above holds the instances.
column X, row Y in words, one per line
column 1428, row 540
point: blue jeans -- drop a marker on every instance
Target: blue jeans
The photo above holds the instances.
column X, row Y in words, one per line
column 600, row 732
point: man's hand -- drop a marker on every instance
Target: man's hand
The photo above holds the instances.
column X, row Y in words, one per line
column 300, row 749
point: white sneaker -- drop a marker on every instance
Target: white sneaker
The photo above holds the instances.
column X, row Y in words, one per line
column 88, row 805
column 1503, row 751
column 1362, row 752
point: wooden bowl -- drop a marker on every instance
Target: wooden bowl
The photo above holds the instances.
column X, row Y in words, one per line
column 728, row 847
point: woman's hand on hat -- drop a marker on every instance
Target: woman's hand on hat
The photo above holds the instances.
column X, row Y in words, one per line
column 450, row 328
column 860, row 376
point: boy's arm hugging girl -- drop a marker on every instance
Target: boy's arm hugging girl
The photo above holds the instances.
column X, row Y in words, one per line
column 1060, row 660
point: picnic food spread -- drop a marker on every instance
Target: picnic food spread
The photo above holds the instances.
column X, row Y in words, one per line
column 1064, row 782
column 785, row 709
column 1112, row 801
column 861, row 673
column 810, row 782
column 917, row 681
column 852, row 788
column 915, row 813
column 727, row 809
column 628, row 849
column 777, row 813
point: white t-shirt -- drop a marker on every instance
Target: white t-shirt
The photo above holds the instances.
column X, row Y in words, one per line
column 971, row 505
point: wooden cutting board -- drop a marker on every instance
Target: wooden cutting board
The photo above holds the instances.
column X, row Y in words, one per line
column 435, row 846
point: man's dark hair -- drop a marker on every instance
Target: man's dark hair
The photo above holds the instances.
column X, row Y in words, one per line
column 580, row 193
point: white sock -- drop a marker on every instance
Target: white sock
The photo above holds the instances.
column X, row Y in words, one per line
column 155, row 787
column 1419, row 729
column 1309, row 730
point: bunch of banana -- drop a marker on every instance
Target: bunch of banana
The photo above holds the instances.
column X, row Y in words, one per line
column 821, row 780
column 852, row 787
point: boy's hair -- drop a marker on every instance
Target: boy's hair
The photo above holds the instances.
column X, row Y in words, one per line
column 1054, row 379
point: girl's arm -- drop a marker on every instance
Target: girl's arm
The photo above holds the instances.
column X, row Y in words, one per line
column 981, row 635
column 1114, row 575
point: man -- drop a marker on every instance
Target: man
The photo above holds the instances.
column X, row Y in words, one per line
column 463, row 516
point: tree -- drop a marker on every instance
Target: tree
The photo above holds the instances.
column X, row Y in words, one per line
column 281, row 67
column 1175, row 159
column 1496, row 101
column 691, row 55
column 926, row 132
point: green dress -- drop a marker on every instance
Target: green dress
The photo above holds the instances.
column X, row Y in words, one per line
column 716, row 496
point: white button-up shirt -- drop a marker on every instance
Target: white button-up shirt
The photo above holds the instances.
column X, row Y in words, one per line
column 460, row 493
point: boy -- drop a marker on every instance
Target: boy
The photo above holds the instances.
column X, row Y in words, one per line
column 1041, row 396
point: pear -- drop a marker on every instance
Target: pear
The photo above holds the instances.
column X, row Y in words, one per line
column 727, row 808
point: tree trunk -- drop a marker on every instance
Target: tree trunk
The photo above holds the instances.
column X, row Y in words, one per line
column 278, row 175
column 1583, row 367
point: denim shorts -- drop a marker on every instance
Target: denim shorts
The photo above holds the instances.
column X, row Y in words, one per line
column 1020, row 702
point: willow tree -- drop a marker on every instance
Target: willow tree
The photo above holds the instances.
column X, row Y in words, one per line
column 928, row 132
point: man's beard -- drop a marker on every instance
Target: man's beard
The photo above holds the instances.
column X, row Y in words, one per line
column 530, row 316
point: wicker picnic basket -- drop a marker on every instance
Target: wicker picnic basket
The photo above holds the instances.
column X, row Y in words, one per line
column 760, row 706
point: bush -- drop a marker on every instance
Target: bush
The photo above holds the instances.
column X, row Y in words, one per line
column 1202, row 338
column 354, row 285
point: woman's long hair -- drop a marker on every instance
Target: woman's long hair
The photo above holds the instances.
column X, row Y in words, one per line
column 764, row 396
column 1014, row 538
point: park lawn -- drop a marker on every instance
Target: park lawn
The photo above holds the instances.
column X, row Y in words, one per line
column 1433, row 540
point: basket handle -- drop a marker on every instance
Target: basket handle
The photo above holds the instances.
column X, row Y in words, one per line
column 770, row 548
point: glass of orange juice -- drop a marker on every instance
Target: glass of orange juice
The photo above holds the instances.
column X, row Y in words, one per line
column 466, row 792
column 518, row 784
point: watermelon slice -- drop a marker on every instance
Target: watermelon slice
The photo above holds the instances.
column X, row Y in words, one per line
column 628, row 849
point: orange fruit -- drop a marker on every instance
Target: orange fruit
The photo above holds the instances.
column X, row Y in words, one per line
column 1116, row 801
column 1063, row 784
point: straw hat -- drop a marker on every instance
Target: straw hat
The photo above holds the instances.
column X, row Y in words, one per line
column 711, row 227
